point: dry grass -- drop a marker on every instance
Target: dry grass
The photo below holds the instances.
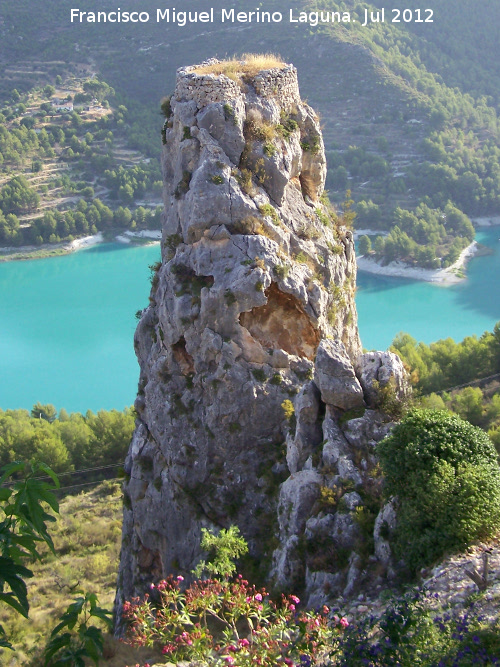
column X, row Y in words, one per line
column 249, row 65
column 249, row 225
column 258, row 129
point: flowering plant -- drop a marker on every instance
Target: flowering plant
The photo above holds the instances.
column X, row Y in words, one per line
column 229, row 622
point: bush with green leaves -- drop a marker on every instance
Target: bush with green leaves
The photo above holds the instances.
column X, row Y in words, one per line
column 446, row 478
column 23, row 528
column 82, row 639
column 223, row 549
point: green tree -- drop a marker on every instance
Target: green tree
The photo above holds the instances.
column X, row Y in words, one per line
column 17, row 196
column 47, row 447
column 444, row 474
column 88, row 192
column 47, row 412
column 368, row 214
column 432, row 402
column 379, row 245
column 122, row 217
column 126, row 194
column 28, row 122
column 493, row 409
column 76, row 434
column 365, row 245
column 98, row 89
column 111, row 434
column 468, row 404
column 348, row 213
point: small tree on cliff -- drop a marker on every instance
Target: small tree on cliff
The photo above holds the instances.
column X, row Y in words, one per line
column 224, row 549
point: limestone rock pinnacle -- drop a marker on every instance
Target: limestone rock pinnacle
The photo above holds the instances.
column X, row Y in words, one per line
column 256, row 271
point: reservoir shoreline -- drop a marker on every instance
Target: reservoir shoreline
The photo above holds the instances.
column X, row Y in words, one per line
column 444, row 277
column 450, row 276
column 46, row 250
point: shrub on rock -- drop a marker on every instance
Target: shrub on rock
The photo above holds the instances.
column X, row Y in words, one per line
column 446, row 478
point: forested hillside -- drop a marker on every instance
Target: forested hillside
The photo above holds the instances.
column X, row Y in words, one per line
column 409, row 109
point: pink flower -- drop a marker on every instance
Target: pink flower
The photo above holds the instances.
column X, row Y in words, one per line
column 168, row 648
column 180, row 578
column 292, row 607
column 258, row 597
column 244, row 642
column 344, row 622
column 295, row 599
column 325, row 609
column 229, row 659
column 152, row 587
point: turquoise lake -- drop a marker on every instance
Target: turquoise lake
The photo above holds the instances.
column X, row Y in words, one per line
column 67, row 323
column 429, row 312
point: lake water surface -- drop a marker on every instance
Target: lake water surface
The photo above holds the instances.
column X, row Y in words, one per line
column 67, row 323
column 67, row 326
column 429, row 312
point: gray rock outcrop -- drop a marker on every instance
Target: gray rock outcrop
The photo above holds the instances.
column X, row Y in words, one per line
column 328, row 510
column 336, row 378
column 256, row 281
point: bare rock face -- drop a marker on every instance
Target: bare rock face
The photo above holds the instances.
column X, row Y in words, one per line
column 336, row 378
column 256, row 277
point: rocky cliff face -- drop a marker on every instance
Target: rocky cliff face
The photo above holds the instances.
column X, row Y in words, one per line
column 237, row 423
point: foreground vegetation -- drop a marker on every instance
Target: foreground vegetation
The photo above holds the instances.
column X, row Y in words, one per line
column 444, row 473
column 413, row 630
column 224, row 620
